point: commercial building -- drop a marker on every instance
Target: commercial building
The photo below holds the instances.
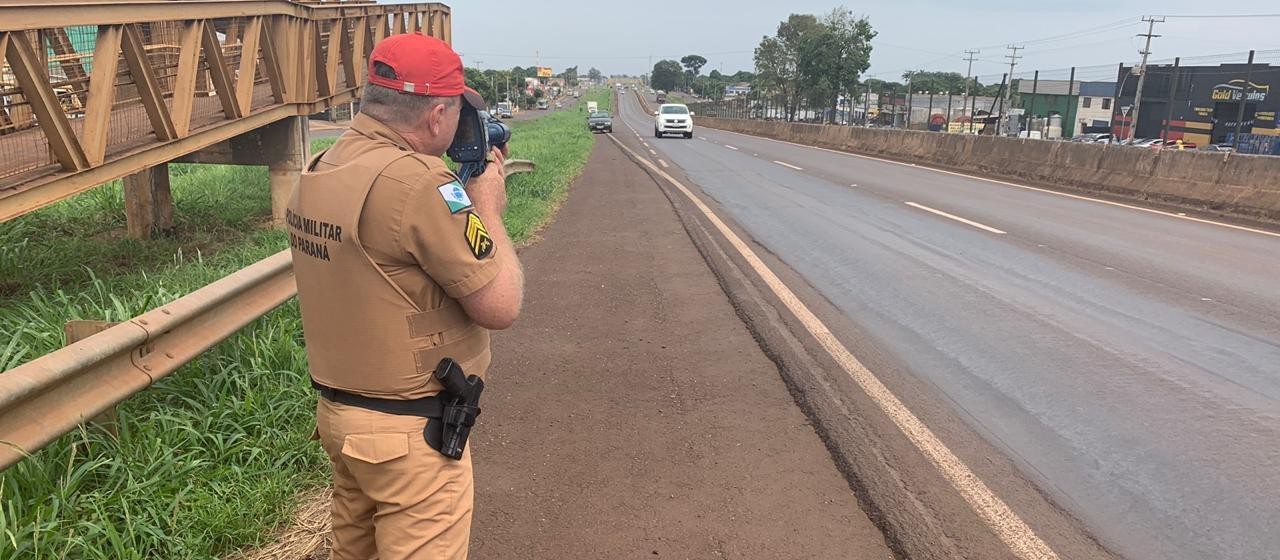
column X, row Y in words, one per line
column 1093, row 112
column 1199, row 104
column 1080, row 106
column 740, row 88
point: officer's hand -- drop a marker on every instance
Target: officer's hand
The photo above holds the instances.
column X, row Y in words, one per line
column 488, row 191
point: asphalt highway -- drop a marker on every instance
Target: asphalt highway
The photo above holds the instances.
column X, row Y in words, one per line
column 1127, row 360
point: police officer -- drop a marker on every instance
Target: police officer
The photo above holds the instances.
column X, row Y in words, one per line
column 398, row 266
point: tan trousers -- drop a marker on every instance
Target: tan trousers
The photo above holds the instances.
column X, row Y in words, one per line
column 394, row 498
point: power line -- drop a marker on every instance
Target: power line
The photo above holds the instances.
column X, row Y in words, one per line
column 1115, row 25
column 1219, row 16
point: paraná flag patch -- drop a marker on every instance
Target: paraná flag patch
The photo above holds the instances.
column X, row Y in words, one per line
column 455, row 197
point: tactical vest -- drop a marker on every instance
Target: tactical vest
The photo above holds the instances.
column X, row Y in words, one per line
column 364, row 334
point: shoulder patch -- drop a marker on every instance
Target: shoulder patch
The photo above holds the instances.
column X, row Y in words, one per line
column 455, row 197
column 478, row 239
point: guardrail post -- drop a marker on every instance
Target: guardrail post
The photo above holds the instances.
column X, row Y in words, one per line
column 148, row 204
column 76, row 331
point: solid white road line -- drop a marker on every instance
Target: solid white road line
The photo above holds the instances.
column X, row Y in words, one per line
column 1181, row 216
column 1011, row 529
column 731, row 147
column 956, row 218
column 785, row 164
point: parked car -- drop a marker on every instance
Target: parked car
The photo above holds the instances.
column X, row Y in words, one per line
column 1226, row 148
column 600, row 121
column 1092, row 137
column 673, row 118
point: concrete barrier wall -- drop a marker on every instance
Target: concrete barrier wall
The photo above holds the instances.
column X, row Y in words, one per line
column 1238, row 185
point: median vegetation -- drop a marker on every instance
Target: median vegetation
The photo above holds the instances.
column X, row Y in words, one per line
column 209, row 460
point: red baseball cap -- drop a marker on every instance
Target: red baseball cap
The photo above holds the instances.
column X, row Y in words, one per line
column 423, row 66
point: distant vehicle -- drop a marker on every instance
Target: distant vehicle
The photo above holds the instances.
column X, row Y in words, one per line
column 1174, row 145
column 542, row 104
column 576, row 94
column 559, row 105
column 600, row 121
column 1145, row 142
column 592, row 106
column 662, row 96
column 503, row 110
column 1226, row 148
column 673, row 118
column 1092, row 137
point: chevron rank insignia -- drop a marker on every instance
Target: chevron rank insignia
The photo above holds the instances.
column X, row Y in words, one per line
column 478, row 237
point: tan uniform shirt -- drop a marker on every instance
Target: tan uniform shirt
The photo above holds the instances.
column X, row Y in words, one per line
column 407, row 226
column 382, row 334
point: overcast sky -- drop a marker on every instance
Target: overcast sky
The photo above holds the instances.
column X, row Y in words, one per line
column 618, row 38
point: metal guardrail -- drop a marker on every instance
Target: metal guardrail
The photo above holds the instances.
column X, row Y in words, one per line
column 51, row 395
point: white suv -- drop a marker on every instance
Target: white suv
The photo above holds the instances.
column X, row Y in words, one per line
column 672, row 118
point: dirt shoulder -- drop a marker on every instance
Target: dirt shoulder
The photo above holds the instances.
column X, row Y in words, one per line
column 630, row 412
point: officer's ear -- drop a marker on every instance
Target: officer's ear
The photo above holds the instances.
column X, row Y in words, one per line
column 436, row 117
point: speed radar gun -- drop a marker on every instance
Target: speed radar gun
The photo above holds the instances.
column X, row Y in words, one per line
column 478, row 131
column 460, row 405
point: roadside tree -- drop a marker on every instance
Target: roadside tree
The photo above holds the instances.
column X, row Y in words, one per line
column 665, row 74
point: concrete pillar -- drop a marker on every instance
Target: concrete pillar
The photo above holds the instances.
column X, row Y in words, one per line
column 290, row 149
column 283, row 146
column 148, row 203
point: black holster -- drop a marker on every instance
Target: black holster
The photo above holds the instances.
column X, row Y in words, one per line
column 450, row 414
column 461, row 406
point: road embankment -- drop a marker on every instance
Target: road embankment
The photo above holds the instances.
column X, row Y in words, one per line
column 1233, row 185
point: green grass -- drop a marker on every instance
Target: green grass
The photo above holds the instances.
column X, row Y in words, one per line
column 559, row 144
column 209, row 460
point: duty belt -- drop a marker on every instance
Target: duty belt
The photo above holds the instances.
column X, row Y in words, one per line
column 425, row 407
column 450, row 414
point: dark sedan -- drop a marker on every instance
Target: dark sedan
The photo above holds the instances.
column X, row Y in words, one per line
column 600, row 121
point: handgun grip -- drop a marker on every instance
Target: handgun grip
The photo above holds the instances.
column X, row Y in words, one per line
column 450, row 374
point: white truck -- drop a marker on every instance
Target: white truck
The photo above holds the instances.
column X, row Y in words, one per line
column 592, row 107
column 673, row 118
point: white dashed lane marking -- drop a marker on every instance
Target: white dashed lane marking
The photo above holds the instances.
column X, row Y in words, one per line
column 956, row 218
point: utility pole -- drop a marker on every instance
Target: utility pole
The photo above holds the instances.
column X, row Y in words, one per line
column 1244, row 98
column 1008, row 92
column 1142, row 70
column 480, row 63
column 968, row 75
